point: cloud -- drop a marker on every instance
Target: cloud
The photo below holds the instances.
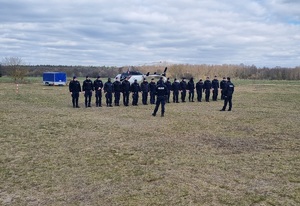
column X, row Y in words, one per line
column 115, row 32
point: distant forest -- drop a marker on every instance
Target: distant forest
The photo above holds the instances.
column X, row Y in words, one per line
column 174, row 71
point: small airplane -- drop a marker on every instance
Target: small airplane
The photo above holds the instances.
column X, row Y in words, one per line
column 136, row 75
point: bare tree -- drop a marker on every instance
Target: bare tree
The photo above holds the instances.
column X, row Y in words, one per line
column 14, row 66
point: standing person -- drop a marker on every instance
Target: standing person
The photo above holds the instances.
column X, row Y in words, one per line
column 152, row 89
column 135, row 89
column 191, row 88
column 207, row 88
column 199, row 88
column 108, row 90
column 222, row 87
column 126, row 91
column 117, row 90
column 145, row 91
column 228, row 92
column 169, row 88
column 88, row 89
column 175, row 89
column 98, row 85
column 75, row 89
column 183, row 87
column 215, row 87
column 161, row 92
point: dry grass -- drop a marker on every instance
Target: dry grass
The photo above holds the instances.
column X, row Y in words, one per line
column 52, row 154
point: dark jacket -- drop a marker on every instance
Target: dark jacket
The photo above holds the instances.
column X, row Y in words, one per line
column 108, row 87
column 207, row 85
column 215, row 84
column 191, row 85
column 125, row 86
column 87, row 85
column 135, row 87
column 74, row 87
column 117, row 86
column 161, row 90
column 222, row 84
column 183, row 85
column 145, row 86
column 176, row 86
column 98, row 84
column 229, row 89
column 199, row 86
column 169, row 85
column 152, row 86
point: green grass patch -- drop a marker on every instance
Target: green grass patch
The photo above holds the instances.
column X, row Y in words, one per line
column 52, row 154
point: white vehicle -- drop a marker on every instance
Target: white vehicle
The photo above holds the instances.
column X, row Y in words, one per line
column 136, row 75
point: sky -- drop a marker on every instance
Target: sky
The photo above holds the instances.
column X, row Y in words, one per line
column 264, row 33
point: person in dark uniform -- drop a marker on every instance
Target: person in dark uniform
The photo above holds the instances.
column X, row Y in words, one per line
column 183, row 87
column 161, row 92
column 199, row 88
column 215, row 87
column 207, row 88
column 98, row 85
column 126, row 91
column 117, row 91
column 75, row 89
column 145, row 91
column 228, row 92
column 175, row 89
column 88, row 89
column 222, row 87
column 152, row 88
column 169, row 88
column 135, row 89
column 191, row 88
column 108, row 90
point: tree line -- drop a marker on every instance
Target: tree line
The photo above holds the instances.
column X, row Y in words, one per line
column 14, row 68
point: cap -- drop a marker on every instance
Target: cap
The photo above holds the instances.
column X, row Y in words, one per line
column 74, row 77
column 87, row 77
column 98, row 76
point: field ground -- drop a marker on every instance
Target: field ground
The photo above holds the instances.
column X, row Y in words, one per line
column 52, row 154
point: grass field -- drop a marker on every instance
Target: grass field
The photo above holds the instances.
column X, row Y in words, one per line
column 52, row 154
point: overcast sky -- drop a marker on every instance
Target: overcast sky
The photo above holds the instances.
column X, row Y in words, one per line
column 136, row 32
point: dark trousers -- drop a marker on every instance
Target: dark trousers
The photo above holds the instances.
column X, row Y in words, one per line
column 87, row 98
column 98, row 96
column 117, row 98
column 75, row 97
column 135, row 98
column 168, row 96
column 125, row 98
column 227, row 99
column 160, row 100
column 175, row 96
column 207, row 94
column 108, row 96
column 199, row 96
column 152, row 97
column 191, row 96
column 215, row 95
column 222, row 94
column 183, row 95
column 144, row 97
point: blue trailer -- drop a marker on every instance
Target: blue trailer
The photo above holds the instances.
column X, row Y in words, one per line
column 55, row 78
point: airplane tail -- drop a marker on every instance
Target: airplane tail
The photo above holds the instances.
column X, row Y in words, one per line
column 165, row 71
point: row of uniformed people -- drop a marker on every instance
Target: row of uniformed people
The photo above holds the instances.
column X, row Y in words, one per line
column 126, row 88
